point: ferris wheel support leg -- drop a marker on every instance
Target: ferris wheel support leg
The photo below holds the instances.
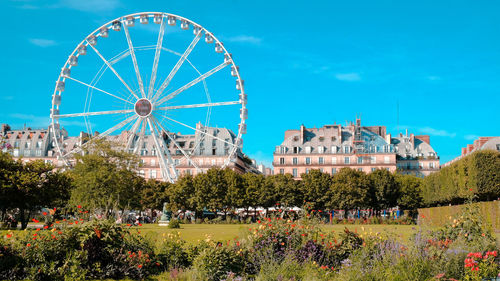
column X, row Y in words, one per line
column 166, row 167
column 135, row 127
column 190, row 161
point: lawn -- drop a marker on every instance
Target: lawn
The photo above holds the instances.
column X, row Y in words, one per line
column 223, row 232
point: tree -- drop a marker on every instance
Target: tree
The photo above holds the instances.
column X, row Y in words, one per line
column 315, row 186
column 105, row 178
column 253, row 185
column 182, row 195
column 349, row 190
column 484, row 172
column 385, row 188
column 210, row 189
column 31, row 186
column 411, row 192
column 154, row 194
column 287, row 189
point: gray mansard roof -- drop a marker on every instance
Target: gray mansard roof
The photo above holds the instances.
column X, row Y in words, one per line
column 405, row 148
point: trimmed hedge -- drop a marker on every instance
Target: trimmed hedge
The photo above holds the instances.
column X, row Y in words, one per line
column 439, row 216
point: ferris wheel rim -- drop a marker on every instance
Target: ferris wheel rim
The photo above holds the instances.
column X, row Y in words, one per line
column 97, row 33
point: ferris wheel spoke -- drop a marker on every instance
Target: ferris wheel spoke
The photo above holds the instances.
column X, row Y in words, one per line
column 134, row 60
column 190, row 161
column 93, row 113
column 200, row 131
column 178, row 65
column 164, row 163
column 114, row 71
column 142, row 133
column 190, row 84
column 135, row 127
column 95, row 88
column 157, row 57
column 210, row 104
column 102, row 135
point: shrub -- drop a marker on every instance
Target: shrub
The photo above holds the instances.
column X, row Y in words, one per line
column 171, row 253
column 214, row 263
column 174, row 223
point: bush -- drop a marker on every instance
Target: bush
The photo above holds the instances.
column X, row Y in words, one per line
column 171, row 253
column 174, row 223
column 214, row 263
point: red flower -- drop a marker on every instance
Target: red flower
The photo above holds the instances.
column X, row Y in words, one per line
column 140, row 224
column 76, row 222
column 35, row 220
column 470, row 189
column 8, row 235
column 139, row 266
column 27, row 245
column 38, row 229
column 79, row 206
column 44, row 213
column 128, row 224
column 258, row 221
column 45, row 227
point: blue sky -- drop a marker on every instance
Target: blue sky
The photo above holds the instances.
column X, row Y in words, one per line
column 303, row 62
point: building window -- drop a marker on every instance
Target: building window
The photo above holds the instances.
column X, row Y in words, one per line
column 213, row 151
column 386, row 148
column 294, row 160
column 294, row 172
column 374, row 169
column 308, row 149
column 386, row 159
column 202, row 151
column 360, row 160
column 27, row 145
column 360, row 169
column 282, row 161
column 188, row 172
column 373, row 159
column 27, row 153
column 334, row 160
column 141, row 173
column 295, row 149
column 334, row 171
column 346, row 149
column 176, row 162
column 282, row 171
column 320, row 160
column 214, row 142
column 307, row 170
column 498, row 147
column 308, row 160
column 347, row 160
column 334, row 149
column 153, row 162
column 431, row 165
column 38, row 152
column 152, row 174
column 213, row 162
column 16, row 152
column 321, row 149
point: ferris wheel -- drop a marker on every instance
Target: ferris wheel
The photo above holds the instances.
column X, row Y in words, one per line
column 145, row 81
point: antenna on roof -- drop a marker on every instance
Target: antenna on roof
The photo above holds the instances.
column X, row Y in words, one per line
column 397, row 114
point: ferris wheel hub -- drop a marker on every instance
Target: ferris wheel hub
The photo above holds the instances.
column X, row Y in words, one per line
column 143, row 107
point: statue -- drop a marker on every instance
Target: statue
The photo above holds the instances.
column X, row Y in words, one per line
column 166, row 215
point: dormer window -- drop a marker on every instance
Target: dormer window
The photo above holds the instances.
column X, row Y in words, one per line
column 321, row 149
column 308, row 149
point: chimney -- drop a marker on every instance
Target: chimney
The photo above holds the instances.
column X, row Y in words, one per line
column 302, row 131
column 412, row 139
column 424, row 138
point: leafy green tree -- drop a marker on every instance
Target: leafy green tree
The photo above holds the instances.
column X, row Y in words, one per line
column 210, row 189
column 385, row 188
column 287, row 189
column 105, row 178
column 154, row 194
column 253, row 185
column 349, row 190
column 31, row 186
column 315, row 186
column 235, row 196
column 411, row 192
column 182, row 195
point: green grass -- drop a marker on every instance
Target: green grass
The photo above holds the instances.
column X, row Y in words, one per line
column 192, row 233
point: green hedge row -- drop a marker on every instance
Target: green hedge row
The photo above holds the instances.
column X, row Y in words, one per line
column 478, row 173
column 439, row 216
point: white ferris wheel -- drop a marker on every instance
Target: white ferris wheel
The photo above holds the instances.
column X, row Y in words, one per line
column 145, row 76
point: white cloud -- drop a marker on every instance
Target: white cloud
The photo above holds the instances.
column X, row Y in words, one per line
column 30, row 120
column 94, row 6
column 353, row 76
column 433, row 78
column 436, row 132
column 245, row 39
column 471, row 137
column 40, row 42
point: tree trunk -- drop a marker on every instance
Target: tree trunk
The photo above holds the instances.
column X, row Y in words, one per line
column 24, row 223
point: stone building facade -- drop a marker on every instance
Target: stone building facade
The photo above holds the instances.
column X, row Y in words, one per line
column 205, row 150
column 481, row 143
column 364, row 148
